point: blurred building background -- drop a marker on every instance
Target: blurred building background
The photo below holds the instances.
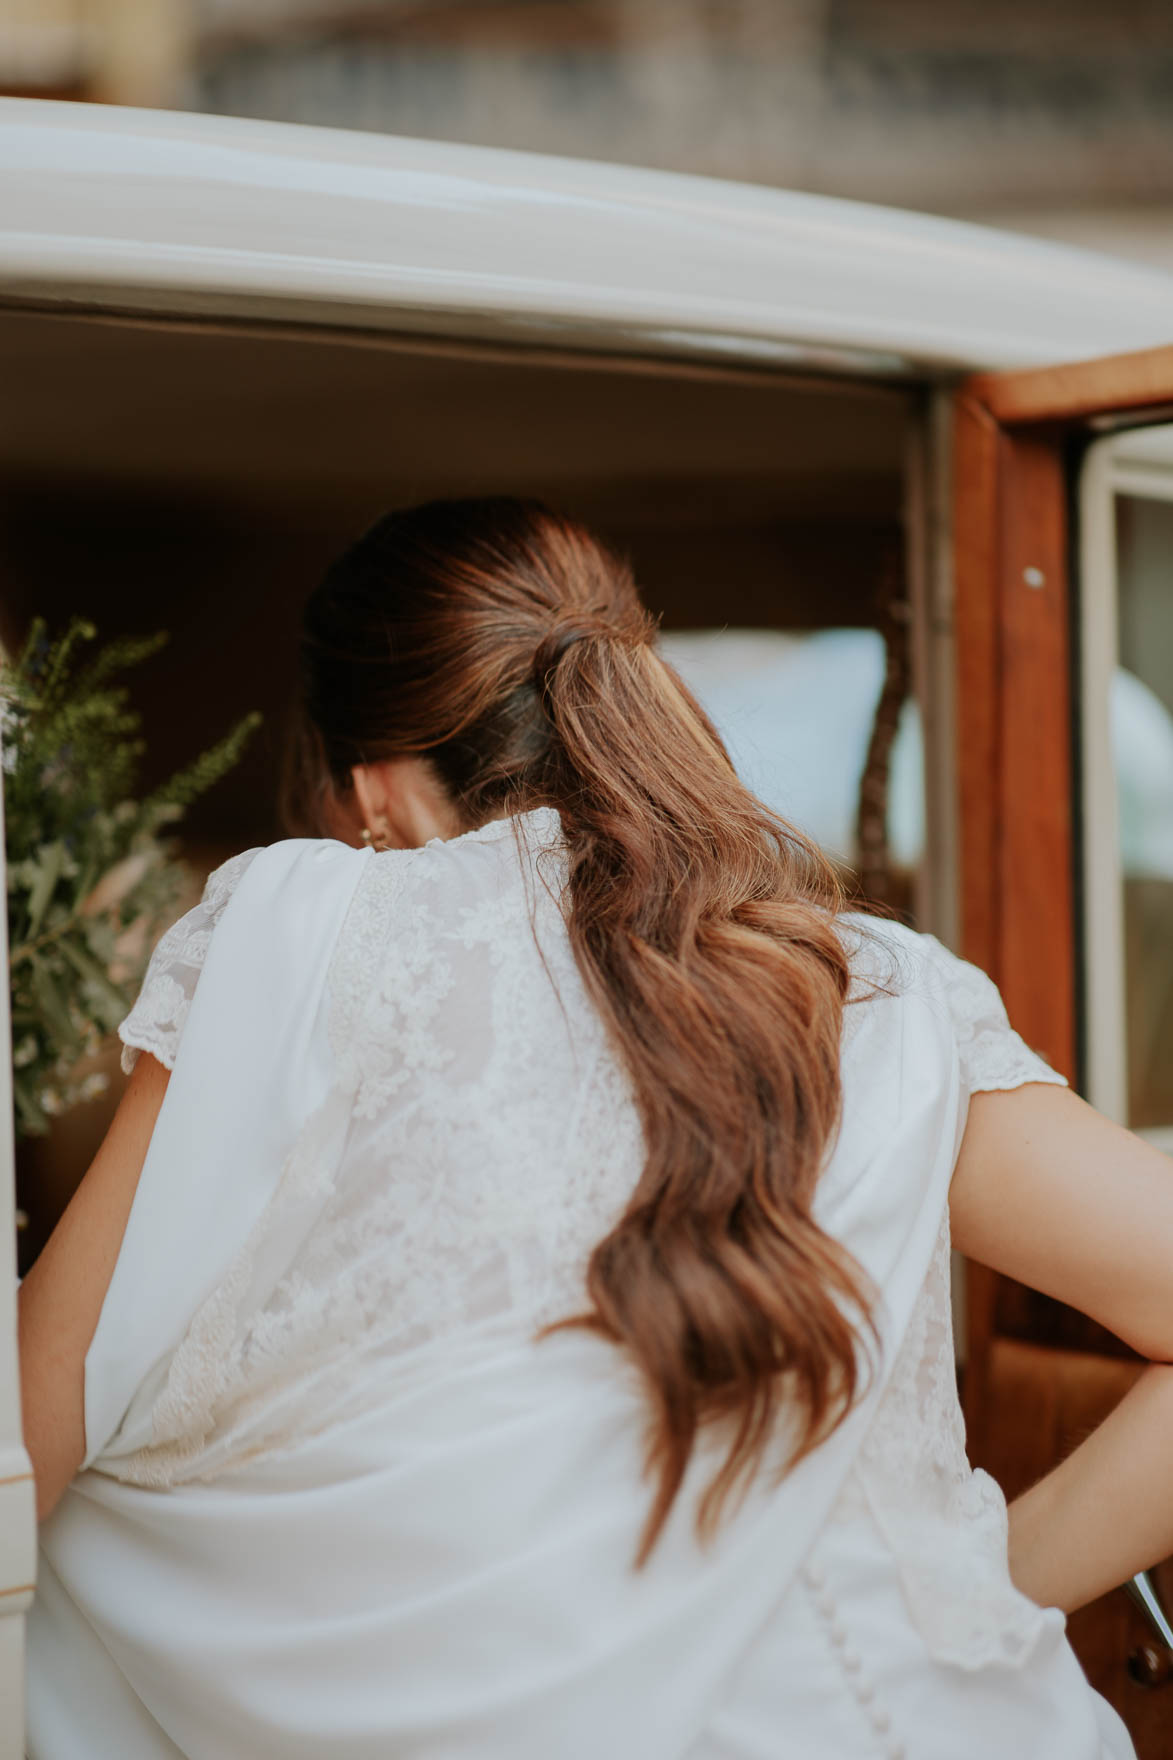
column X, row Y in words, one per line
column 1053, row 119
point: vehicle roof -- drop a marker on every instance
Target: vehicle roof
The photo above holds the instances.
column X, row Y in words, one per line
column 171, row 212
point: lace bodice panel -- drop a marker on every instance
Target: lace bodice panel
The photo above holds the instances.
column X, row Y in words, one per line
column 483, row 1076
column 992, row 1054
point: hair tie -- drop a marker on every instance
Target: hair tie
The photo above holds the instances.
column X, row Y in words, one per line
column 552, row 647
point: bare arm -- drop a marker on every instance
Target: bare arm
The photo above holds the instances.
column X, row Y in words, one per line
column 61, row 1298
column 1050, row 1192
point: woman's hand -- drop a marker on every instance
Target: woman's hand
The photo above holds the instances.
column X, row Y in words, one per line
column 61, row 1298
column 1105, row 1512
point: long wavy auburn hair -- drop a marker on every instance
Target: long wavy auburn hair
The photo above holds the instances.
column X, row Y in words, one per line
column 508, row 646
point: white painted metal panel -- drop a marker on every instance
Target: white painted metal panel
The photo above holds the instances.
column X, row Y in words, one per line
column 17, row 1505
column 1107, row 1076
column 163, row 211
column 1137, row 463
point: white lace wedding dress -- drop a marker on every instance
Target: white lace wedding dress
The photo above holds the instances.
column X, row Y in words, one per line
column 337, row 1500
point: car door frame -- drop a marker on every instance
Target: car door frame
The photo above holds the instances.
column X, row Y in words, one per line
column 1016, row 441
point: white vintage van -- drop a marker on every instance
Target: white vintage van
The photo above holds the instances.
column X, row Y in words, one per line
column 861, row 458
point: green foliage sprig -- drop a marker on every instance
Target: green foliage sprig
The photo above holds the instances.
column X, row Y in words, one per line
column 91, row 873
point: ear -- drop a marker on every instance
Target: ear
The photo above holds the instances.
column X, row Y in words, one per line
column 373, row 793
column 401, row 803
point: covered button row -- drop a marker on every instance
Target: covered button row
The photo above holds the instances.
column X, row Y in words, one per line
column 864, row 1690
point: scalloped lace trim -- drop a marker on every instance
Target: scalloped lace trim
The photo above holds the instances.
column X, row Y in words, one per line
column 993, row 1055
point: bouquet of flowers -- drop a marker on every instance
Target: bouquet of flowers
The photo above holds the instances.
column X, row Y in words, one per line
column 91, row 871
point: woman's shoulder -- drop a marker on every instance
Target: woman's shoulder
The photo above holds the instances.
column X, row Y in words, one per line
column 284, row 854
column 888, row 958
column 155, row 1022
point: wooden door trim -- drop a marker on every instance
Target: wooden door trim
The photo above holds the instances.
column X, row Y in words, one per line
column 1015, row 770
column 975, row 595
column 1015, row 764
column 1034, row 874
column 1118, row 383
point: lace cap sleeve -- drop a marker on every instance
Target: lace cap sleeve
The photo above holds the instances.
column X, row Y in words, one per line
column 155, row 1023
column 993, row 1055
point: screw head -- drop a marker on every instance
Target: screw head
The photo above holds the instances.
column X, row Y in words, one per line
column 1148, row 1667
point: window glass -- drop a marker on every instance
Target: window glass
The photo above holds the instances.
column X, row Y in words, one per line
column 1141, row 710
column 797, row 712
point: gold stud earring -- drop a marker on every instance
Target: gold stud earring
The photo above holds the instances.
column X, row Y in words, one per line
column 384, row 833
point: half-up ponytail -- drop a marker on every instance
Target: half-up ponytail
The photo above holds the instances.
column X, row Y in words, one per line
column 509, row 647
